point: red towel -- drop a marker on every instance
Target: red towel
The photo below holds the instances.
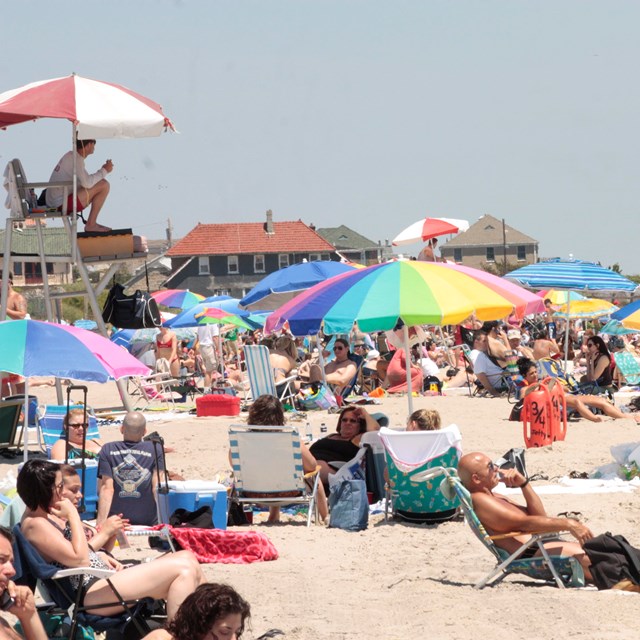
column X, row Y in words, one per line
column 226, row 547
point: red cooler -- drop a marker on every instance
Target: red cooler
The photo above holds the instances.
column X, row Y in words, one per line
column 218, row 405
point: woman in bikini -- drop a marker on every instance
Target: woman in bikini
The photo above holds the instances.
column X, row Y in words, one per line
column 53, row 526
column 167, row 348
column 75, row 426
column 283, row 360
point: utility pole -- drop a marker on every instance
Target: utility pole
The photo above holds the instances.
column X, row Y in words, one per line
column 504, row 247
column 169, row 232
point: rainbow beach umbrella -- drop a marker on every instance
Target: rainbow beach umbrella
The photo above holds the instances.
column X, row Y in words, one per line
column 586, row 308
column 213, row 315
column 558, row 297
column 177, row 298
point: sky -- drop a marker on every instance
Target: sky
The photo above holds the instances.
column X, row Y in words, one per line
column 367, row 113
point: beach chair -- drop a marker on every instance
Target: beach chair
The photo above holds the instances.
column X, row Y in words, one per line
column 51, row 429
column 351, row 388
column 55, row 586
column 564, row 571
column 10, row 426
column 261, row 378
column 156, row 388
column 548, row 367
column 375, row 464
column 408, row 452
column 267, row 468
column 628, row 367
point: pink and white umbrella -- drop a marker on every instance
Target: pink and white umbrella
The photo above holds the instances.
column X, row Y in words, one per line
column 96, row 109
column 427, row 228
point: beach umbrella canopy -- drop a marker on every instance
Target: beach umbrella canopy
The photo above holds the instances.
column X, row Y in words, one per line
column 587, row 308
column 282, row 285
column 377, row 297
column 34, row 348
column 629, row 316
column 558, row 297
column 427, row 228
column 615, row 328
column 570, row 274
column 127, row 337
column 97, row 109
column 188, row 317
column 177, row 298
column 525, row 303
column 212, row 315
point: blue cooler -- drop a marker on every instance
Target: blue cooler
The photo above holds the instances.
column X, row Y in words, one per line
column 193, row 494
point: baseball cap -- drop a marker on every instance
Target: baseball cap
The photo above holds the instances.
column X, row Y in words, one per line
column 514, row 334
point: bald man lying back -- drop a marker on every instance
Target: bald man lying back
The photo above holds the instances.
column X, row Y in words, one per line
column 499, row 514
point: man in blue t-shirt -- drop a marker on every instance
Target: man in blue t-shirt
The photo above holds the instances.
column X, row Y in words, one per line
column 128, row 477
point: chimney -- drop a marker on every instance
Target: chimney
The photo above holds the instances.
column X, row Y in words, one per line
column 268, row 226
column 312, row 227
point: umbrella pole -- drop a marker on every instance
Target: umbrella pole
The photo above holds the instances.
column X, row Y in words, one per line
column 321, row 361
column 407, row 355
column 566, row 332
column 25, row 424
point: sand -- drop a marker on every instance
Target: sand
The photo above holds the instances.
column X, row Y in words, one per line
column 396, row 580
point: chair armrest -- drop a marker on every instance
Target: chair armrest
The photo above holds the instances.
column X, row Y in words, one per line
column 78, row 571
column 313, row 473
column 514, row 534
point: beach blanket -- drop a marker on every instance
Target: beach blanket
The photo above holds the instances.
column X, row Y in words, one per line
column 225, row 547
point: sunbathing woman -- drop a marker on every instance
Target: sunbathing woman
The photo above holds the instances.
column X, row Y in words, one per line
column 282, row 358
column 75, row 426
column 343, row 445
column 598, row 363
column 171, row 577
column 267, row 411
column 212, row 611
column 581, row 403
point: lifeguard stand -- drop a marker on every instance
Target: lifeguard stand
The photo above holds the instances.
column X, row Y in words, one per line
column 114, row 247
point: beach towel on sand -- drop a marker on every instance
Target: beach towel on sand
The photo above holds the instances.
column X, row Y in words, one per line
column 225, row 547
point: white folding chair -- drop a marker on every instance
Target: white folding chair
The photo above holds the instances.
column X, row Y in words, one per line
column 261, row 378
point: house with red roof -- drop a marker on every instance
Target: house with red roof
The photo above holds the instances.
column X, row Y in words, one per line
column 231, row 258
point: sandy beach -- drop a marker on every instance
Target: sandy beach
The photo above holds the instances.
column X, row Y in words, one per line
column 396, row 580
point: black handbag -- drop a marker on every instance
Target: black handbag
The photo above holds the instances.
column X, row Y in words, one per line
column 137, row 311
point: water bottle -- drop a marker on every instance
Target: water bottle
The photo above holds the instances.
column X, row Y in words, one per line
column 308, row 432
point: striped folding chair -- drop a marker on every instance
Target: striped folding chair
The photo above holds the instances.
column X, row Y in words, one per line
column 50, row 427
column 261, row 378
column 267, row 468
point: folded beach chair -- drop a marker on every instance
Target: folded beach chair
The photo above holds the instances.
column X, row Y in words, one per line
column 628, row 367
column 565, row 571
column 267, row 468
column 375, row 464
column 10, row 426
column 261, row 378
column 54, row 584
column 408, row 452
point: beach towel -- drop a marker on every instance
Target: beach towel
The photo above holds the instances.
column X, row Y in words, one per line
column 225, row 547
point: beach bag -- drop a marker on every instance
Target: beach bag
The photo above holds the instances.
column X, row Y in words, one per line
column 201, row 518
column 349, row 506
column 137, row 311
column 613, row 560
column 317, row 397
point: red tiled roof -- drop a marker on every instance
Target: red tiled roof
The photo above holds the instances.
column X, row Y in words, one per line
column 249, row 237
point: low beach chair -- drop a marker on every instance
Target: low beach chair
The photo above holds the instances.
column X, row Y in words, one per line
column 154, row 388
column 10, row 426
column 267, row 468
column 351, row 388
column 55, row 586
column 564, row 571
column 261, row 378
column 51, row 429
column 409, row 452
column 628, row 366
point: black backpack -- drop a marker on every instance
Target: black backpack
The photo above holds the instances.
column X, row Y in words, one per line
column 137, row 311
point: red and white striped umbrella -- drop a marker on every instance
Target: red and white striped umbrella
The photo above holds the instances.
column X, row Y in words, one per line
column 97, row 109
column 427, row 228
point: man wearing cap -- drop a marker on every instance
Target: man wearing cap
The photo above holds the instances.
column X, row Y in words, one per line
column 515, row 337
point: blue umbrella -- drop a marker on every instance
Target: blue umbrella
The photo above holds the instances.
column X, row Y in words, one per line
column 615, row 328
column 188, row 317
column 570, row 274
column 283, row 285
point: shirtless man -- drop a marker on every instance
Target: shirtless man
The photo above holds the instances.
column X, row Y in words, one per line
column 501, row 515
column 16, row 304
column 544, row 347
column 338, row 373
column 93, row 188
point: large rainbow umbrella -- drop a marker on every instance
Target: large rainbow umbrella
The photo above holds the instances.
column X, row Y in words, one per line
column 177, row 298
column 188, row 317
column 378, row 297
column 558, row 297
column 213, row 315
column 629, row 315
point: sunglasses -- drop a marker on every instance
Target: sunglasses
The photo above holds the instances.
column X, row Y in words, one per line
column 338, row 348
column 77, row 425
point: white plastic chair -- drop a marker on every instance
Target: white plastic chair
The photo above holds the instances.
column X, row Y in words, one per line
column 261, row 378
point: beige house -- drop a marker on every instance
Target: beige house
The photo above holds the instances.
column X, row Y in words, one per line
column 486, row 242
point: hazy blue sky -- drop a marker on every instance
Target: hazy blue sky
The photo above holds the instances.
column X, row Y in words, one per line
column 359, row 112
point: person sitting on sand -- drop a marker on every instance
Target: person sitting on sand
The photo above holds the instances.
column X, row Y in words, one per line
column 338, row 373
column 212, row 611
column 343, row 445
column 581, row 403
column 501, row 515
column 75, row 425
column 267, row 411
column 93, row 188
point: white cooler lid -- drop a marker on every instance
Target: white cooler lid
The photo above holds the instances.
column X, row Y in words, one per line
column 196, row 486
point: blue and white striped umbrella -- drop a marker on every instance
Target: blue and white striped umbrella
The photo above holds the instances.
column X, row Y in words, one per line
column 570, row 274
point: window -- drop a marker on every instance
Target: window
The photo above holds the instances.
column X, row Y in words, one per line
column 203, row 265
column 258, row 263
column 232, row 264
column 457, row 255
column 522, row 253
column 221, row 292
column 17, row 268
column 283, row 260
column 314, row 257
column 491, row 256
column 325, row 256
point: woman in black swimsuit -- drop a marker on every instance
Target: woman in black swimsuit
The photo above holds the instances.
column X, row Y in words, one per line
column 171, row 577
column 598, row 362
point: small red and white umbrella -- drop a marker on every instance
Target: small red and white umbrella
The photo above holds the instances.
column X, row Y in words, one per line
column 97, row 109
column 427, row 228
